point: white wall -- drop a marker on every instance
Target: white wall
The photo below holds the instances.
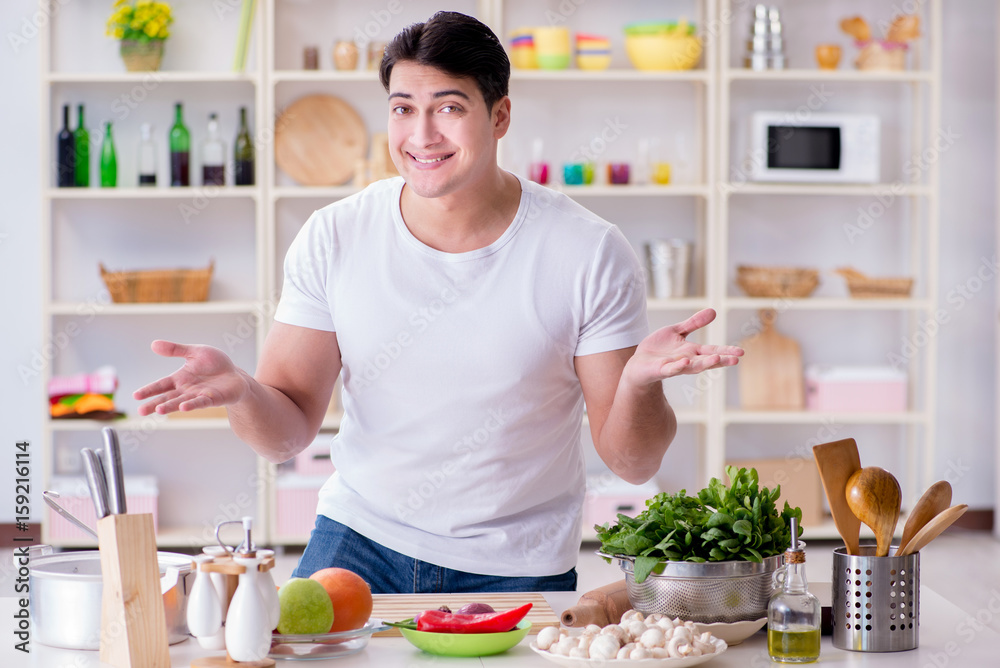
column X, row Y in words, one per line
column 967, row 397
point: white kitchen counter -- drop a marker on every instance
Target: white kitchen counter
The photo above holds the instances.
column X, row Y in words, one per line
column 948, row 637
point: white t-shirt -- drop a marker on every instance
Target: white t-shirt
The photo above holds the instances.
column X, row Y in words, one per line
column 460, row 443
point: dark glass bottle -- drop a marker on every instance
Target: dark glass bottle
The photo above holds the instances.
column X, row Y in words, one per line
column 65, row 154
column 180, row 150
column 243, row 154
column 109, row 162
column 82, row 141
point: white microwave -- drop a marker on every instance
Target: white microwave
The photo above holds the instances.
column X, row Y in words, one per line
column 815, row 148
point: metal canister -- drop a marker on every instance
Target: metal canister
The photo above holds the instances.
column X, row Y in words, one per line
column 669, row 265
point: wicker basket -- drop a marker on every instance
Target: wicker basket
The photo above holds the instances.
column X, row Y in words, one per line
column 864, row 287
column 141, row 56
column 776, row 281
column 158, row 285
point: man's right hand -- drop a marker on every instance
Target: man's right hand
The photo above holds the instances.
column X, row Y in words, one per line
column 208, row 378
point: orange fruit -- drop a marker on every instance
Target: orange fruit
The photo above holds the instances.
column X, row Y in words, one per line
column 351, row 597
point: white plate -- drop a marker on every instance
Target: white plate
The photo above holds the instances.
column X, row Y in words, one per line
column 574, row 662
column 735, row 632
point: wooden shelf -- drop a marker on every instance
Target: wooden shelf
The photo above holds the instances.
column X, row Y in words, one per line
column 158, row 77
column 211, row 192
column 871, row 76
column 835, row 190
column 684, row 190
column 820, row 417
column 829, row 304
column 173, row 308
column 609, row 75
column 313, row 192
column 148, row 423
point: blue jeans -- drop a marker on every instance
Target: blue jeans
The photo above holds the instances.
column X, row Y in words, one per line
column 388, row 572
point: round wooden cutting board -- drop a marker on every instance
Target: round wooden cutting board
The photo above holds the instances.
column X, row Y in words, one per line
column 318, row 140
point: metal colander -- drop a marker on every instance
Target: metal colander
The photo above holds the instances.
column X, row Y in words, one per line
column 720, row 591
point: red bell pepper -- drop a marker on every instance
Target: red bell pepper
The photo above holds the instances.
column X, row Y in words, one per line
column 488, row 622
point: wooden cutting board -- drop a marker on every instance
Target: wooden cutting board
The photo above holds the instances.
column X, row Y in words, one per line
column 319, row 139
column 397, row 607
column 770, row 372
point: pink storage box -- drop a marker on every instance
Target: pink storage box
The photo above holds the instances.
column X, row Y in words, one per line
column 606, row 497
column 141, row 496
column 855, row 389
column 315, row 460
column 295, row 504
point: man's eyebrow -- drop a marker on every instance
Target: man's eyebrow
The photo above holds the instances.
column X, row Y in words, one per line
column 439, row 94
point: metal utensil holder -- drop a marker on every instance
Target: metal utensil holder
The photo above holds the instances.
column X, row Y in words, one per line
column 876, row 601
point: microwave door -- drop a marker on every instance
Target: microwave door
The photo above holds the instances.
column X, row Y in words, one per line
column 813, row 148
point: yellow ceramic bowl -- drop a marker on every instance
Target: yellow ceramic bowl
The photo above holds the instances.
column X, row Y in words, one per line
column 663, row 51
column 593, row 61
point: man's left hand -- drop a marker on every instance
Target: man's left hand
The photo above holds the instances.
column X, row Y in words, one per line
column 667, row 353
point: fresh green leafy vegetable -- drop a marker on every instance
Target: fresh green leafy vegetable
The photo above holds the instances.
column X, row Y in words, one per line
column 736, row 523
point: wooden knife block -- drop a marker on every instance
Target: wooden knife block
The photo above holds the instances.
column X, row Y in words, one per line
column 133, row 621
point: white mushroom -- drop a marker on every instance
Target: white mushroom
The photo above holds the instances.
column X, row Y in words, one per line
column 604, row 647
column 655, row 617
column 659, row 653
column 652, row 637
column 547, row 637
column 632, row 614
column 585, row 640
column 639, row 653
column 579, row 653
column 593, row 629
column 704, row 647
column 564, row 645
column 625, row 651
column 666, row 624
column 673, row 646
column 635, row 628
column 683, row 633
column 617, row 631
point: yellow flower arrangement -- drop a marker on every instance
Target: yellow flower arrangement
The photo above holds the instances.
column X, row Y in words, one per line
column 139, row 20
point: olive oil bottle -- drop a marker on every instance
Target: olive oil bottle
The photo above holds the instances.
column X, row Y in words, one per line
column 793, row 614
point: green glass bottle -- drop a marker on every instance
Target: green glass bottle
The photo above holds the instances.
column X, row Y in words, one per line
column 243, row 158
column 180, row 150
column 109, row 163
column 82, row 139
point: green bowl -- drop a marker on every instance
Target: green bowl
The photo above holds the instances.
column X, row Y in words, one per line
column 467, row 644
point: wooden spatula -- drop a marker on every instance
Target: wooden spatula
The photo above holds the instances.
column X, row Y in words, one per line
column 770, row 372
column 933, row 529
column 837, row 462
column 935, row 499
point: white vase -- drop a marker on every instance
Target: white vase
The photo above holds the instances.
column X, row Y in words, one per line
column 248, row 629
column 204, row 612
column 268, row 591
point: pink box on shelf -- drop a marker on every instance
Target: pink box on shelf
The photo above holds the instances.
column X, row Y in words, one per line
column 295, row 504
column 315, row 460
column 855, row 389
column 141, row 496
column 607, row 497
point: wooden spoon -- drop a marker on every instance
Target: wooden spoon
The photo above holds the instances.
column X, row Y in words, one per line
column 837, row 461
column 602, row 606
column 933, row 529
column 873, row 494
column 935, row 499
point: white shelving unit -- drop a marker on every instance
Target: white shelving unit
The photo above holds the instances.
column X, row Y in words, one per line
column 565, row 107
column 917, row 95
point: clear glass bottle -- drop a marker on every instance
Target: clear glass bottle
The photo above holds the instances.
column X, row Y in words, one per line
column 538, row 170
column 793, row 614
column 213, row 155
column 147, row 156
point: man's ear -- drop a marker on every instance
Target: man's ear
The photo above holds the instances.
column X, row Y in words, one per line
column 501, row 117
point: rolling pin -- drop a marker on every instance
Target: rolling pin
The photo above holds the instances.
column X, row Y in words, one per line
column 602, row 606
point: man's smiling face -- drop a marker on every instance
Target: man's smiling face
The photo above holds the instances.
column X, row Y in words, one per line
column 442, row 137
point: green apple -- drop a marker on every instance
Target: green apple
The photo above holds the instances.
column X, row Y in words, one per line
column 305, row 607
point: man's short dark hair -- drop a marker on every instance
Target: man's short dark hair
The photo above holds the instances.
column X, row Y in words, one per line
column 456, row 44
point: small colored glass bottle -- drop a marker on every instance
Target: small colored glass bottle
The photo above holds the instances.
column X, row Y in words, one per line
column 538, row 170
column 243, row 154
column 109, row 163
column 82, row 139
column 180, row 150
column 793, row 614
column 147, row 157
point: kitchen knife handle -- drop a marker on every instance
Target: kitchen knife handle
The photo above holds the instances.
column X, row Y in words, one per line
column 95, row 480
column 113, row 471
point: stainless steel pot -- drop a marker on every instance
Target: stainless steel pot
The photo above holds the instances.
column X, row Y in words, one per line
column 65, row 597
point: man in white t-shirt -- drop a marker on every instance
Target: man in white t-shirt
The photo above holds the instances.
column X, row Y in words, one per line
column 472, row 316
